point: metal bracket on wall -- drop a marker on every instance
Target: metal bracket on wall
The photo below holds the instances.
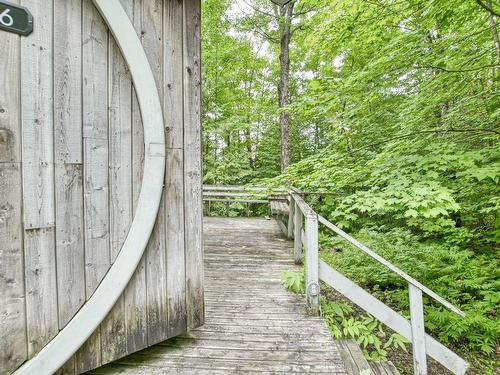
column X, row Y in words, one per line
column 78, row 330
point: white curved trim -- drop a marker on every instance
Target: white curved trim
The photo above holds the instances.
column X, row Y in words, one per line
column 77, row 331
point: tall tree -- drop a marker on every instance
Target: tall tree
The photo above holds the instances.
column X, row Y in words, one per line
column 284, row 14
column 277, row 21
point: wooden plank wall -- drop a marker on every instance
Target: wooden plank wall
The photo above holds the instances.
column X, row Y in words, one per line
column 71, row 156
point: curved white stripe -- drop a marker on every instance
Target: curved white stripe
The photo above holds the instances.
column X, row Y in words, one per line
column 88, row 318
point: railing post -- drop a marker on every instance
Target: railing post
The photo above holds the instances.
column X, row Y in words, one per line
column 417, row 330
column 297, row 236
column 291, row 217
column 312, row 263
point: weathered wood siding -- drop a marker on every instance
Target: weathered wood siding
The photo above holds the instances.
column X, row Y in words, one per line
column 71, row 156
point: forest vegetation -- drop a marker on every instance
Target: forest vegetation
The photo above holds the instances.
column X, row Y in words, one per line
column 391, row 108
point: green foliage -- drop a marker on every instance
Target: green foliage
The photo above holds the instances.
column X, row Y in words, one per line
column 465, row 279
column 294, row 281
column 344, row 322
column 421, row 186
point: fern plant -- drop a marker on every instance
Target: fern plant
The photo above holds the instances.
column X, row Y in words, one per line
column 294, row 281
column 344, row 322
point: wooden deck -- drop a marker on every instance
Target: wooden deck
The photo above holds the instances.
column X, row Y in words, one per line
column 253, row 325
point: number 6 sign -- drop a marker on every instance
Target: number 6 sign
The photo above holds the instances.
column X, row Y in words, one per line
column 15, row 18
column 6, row 19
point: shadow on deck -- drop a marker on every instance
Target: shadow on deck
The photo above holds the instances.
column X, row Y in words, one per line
column 253, row 324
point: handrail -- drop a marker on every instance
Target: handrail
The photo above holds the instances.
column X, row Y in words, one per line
column 301, row 214
column 304, row 207
column 229, row 194
column 232, row 194
column 239, row 188
column 389, row 265
column 395, row 321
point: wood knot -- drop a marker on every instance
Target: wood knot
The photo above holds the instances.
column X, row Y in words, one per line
column 5, row 135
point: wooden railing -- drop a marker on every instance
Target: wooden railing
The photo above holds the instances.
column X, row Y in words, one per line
column 229, row 195
column 302, row 226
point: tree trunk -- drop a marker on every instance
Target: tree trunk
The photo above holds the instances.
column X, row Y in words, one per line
column 248, row 141
column 286, row 13
column 249, row 83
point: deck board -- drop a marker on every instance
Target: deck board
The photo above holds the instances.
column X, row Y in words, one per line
column 253, row 324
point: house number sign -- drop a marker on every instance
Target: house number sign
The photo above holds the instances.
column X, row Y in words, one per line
column 15, row 18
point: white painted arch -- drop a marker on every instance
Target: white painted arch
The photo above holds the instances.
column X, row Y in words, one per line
column 78, row 330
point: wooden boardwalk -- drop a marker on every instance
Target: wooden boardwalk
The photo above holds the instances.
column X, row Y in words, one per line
column 253, row 325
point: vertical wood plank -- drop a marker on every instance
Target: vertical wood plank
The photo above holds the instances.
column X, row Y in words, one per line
column 173, row 73
column 37, row 119
column 38, row 178
column 41, row 292
column 193, row 215
column 97, row 252
column 95, row 133
column 312, row 259
column 69, row 240
column 95, row 73
column 10, row 130
column 68, row 158
column 155, row 255
column 12, row 297
column 174, row 213
column 96, row 186
column 12, row 293
column 297, row 228
column 113, row 331
column 68, row 81
column 136, row 318
column 156, row 273
column 417, row 330
column 174, row 174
